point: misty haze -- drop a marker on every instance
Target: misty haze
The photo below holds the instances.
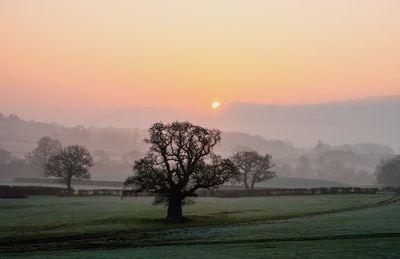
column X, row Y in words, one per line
column 199, row 129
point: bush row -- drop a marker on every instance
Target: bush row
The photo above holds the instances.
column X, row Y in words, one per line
column 25, row 191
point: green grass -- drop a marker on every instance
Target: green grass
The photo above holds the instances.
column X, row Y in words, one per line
column 293, row 182
column 219, row 227
column 370, row 248
column 63, row 215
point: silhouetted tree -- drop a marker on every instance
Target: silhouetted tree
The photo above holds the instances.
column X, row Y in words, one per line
column 179, row 162
column 388, row 172
column 70, row 164
column 253, row 167
column 46, row 147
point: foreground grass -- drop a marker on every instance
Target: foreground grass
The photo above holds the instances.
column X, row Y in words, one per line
column 349, row 248
column 274, row 226
column 41, row 216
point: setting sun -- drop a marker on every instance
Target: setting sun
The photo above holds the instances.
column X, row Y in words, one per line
column 216, row 105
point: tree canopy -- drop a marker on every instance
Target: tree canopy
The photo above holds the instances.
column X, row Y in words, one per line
column 253, row 167
column 179, row 162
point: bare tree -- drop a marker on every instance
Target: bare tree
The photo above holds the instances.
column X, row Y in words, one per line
column 179, row 162
column 253, row 167
column 46, row 147
column 70, row 164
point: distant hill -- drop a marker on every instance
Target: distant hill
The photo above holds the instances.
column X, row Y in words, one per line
column 20, row 136
column 368, row 120
column 373, row 120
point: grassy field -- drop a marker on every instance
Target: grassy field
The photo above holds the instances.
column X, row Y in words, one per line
column 292, row 226
column 293, row 182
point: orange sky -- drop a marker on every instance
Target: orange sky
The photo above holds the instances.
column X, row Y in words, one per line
column 110, row 54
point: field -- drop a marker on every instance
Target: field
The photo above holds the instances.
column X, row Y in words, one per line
column 293, row 182
column 329, row 226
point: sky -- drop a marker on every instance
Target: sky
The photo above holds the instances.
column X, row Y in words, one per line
column 66, row 56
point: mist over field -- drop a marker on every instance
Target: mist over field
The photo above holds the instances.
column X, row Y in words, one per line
column 322, row 133
column 199, row 129
column 373, row 120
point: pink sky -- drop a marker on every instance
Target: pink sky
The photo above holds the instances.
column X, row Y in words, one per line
column 110, row 54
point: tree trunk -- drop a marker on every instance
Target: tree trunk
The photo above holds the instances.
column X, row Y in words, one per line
column 246, row 185
column 253, row 181
column 69, row 187
column 175, row 210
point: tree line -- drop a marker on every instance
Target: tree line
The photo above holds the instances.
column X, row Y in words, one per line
column 254, row 167
column 114, row 150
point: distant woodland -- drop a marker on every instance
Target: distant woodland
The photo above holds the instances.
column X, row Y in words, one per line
column 116, row 149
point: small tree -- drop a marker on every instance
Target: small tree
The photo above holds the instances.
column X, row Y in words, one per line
column 179, row 162
column 253, row 167
column 46, row 147
column 388, row 172
column 70, row 164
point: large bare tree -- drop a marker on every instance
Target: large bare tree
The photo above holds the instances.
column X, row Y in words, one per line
column 253, row 167
column 179, row 162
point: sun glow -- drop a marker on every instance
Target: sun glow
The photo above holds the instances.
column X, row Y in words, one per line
column 216, row 105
